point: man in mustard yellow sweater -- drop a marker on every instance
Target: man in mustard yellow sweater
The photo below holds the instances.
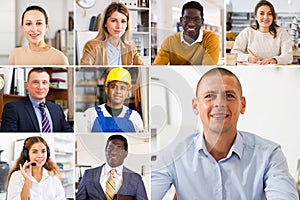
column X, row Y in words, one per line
column 192, row 46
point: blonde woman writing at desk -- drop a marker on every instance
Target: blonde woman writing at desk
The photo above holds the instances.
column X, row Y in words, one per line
column 112, row 46
column 34, row 26
column 268, row 43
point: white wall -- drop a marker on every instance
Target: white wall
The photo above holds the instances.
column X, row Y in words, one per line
column 7, row 143
column 57, row 11
column 280, row 5
column 272, row 95
column 83, row 16
column 172, row 90
column 7, row 32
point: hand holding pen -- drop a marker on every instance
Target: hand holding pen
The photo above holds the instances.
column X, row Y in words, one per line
column 253, row 58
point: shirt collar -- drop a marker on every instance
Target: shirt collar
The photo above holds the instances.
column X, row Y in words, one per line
column 109, row 45
column 44, row 176
column 34, row 102
column 237, row 146
column 108, row 168
column 199, row 39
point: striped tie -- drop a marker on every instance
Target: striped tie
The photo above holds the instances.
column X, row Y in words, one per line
column 111, row 185
column 45, row 121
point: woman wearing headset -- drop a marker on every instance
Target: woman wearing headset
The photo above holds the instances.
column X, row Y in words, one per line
column 35, row 176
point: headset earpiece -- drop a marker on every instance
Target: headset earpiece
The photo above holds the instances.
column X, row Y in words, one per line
column 25, row 152
column 48, row 153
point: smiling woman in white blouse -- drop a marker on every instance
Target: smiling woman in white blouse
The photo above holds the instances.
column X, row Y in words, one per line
column 265, row 43
column 35, row 176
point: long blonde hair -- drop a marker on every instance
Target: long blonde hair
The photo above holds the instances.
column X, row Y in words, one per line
column 111, row 8
column 49, row 165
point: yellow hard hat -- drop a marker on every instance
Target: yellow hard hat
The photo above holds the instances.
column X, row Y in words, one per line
column 119, row 74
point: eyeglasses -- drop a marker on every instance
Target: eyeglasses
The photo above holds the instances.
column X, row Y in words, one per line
column 196, row 20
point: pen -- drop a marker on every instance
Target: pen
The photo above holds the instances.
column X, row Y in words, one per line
column 250, row 51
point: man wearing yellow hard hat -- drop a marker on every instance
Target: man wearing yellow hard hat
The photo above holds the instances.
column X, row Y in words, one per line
column 114, row 116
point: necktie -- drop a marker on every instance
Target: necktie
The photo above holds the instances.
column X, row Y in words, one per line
column 45, row 120
column 111, row 185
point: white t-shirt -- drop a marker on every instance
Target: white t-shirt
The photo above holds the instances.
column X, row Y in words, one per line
column 91, row 114
column 49, row 188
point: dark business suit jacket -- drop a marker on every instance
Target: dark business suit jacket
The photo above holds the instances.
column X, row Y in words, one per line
column 90, row 188
column 19, row 116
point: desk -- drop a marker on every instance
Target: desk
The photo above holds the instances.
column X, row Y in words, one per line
column 296, row 54
column 269, row 65
column 296, row 57
column 229, row 45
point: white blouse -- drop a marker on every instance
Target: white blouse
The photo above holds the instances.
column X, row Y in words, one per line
column 49, row 188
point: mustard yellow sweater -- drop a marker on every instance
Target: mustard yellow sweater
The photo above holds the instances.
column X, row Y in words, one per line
column 175, row 52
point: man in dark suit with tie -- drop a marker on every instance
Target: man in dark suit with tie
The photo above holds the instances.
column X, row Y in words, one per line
column 33, row 113
column 96, row 183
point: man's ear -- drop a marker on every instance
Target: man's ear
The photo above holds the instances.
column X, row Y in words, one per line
column 180, row 20
column 202, row 21
column 195, row 106
column 243, row 109
column 106, row 88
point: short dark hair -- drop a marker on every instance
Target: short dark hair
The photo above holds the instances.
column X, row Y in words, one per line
column 37, row 69
column 192, row 4
column 118, row 137
column 35, row 8
column 220, row 71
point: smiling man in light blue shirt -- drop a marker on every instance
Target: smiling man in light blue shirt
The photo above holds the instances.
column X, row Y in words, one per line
column 222, row 162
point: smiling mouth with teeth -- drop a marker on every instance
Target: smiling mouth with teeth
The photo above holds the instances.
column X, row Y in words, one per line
column 219, row 115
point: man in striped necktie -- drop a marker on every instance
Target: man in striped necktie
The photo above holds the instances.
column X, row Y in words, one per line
column 33, row 113
column 112, row 180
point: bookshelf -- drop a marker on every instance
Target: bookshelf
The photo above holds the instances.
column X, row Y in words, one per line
column 62, row 152
column 140, row 30
column 153, row 41
column 241, row 20
column 62, row 96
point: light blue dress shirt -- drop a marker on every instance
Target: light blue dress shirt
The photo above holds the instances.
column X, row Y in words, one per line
column 38, row 113
column 114, row 54
column 254, row 169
